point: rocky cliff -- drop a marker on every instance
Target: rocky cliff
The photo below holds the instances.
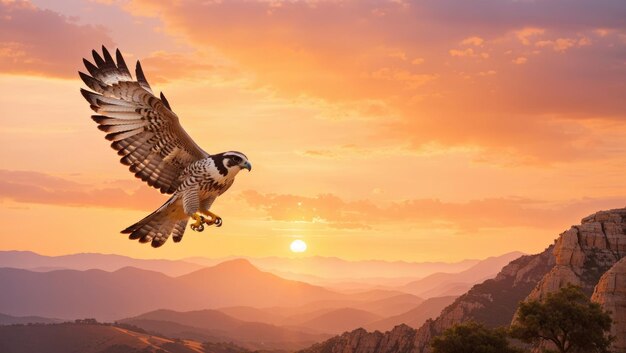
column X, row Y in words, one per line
column 611, row 294
column 585, row 252
column 581, row 255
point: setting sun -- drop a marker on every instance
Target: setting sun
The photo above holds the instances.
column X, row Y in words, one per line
column 298, row 245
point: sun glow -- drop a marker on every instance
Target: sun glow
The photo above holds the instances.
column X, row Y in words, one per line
column 298, row 245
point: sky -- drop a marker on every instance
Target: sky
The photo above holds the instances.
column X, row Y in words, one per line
column 430, row 130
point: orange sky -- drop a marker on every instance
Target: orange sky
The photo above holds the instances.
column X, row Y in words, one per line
column 400, row 130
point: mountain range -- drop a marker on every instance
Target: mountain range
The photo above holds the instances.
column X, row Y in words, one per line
column 231, row 301
column 129, row 291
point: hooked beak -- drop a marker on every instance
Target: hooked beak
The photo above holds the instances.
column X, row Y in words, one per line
column 248, row 166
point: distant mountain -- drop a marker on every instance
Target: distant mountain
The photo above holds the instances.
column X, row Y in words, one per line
column 70, row 294
column 203, row 319
column 390, row 303
column 247, row 313
column 339, row 320
column 21, row 320
column 215, row 326
column 389, row 306
column 330, row 315
column 87, row 338
column 445, row 284
column 330, row 272
column 328, row 268
column 238, row 282
column 383, row 303
column 107, row 262
column 428, row 309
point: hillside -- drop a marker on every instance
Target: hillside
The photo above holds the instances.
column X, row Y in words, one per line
column 215, row 326
column 445, row 284
column 339, row 320
column 87, row 338
column 430, row 308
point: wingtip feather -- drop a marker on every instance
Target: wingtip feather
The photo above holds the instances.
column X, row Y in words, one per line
column 97, row 58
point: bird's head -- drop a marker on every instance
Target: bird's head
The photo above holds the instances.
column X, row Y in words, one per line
column 234, row 159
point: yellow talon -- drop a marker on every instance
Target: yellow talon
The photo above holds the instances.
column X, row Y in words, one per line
column 198, row 224
column 213, row 219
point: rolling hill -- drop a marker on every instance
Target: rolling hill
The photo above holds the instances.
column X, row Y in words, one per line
column 87, row 338
column 21, row 320
column 215, row 326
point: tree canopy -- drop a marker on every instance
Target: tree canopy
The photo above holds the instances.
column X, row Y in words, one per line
column 567, row 319
column 472, row 337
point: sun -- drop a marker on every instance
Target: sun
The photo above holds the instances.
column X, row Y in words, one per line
column 298, row 245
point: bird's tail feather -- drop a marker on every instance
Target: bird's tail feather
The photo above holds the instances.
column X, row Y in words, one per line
column 159, row 225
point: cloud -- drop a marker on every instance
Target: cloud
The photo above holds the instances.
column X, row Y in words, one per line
column 472, row 215
column 41, row 188
column 510, row 14
column 475, row 41
column 410, row 80
column 562, row 44
column 346, row 52
column 468, row 52
column 420, row 62
column 520, row 60
column 525, row 34
column 463, row 52
column 199, row 65
column 42, row 42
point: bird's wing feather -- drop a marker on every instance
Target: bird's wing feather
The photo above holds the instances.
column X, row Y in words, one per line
column 143, row 129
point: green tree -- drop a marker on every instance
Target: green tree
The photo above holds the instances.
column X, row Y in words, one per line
column 472, row 337
column 566, row 318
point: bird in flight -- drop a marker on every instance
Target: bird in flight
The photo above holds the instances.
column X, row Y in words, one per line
column 146, row 133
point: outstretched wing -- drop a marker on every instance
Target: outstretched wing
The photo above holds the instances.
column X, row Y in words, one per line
column 143, row 128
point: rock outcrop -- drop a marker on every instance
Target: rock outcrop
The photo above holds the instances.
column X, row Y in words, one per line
column 580, row 256
column 611, row 294
column 585, row 252
column 399, row 340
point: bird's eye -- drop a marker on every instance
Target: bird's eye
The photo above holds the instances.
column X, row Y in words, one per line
column 237, row 159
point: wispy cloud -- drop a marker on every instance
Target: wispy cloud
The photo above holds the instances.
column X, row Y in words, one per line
column 474, row 215
column 41, row 188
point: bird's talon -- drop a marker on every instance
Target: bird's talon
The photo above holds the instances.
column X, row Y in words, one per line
column 218, row 222
column 198, row 228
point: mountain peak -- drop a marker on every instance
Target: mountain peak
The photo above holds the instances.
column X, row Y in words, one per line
column 238, row 264
column 235, row 267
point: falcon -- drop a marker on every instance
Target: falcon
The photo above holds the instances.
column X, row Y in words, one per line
column 147, row 134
